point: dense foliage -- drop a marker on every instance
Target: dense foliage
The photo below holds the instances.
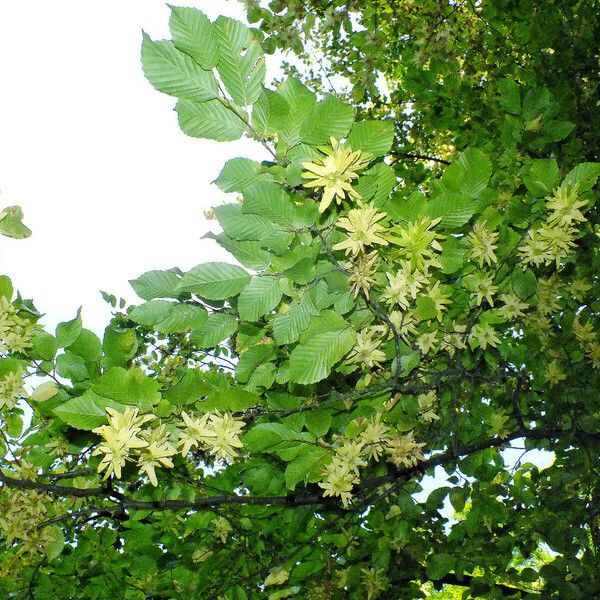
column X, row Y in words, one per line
column 416, row 290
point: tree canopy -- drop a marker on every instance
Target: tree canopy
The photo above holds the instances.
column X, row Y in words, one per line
column 414, row 291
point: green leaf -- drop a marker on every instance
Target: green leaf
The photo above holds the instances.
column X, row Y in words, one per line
column 85, row 412
column 288, row 327
column 44, row 391
column 257, row 355
column 10, row 365
column 239, row 173
column 249, row 253
column 301, row 102
column 270, row 201
column 152, row 312
column 183, row 318
column 175, row 73
column 11, row 223
column 119, row 345
column 541, row 176
column 372, row 137
column 88, row 346
column 425, row 308
column 156, row 284
column 453, row 254
column 241, row 61
column 376, row 184
column 524, row 283
column 189, row 388
column 128, row 386
column 510, row 96
column 215, row 280
column 556, row 130
column 44, row 345
column 318, row 421
column 258, row 298
column 246, row 227
column 68, row 332
column 307, row 466
column 267, row 436
column 73, row 367
column 469, row 174
column 330, row 118
column 439, row 565
column 6, row 287
column 195, row 35
column 458, row 498
column 313, row 360
column 270, row 112
column 55, row 541
column 218, row 327
column 455, row 209
column 584, row 175
column 210, row 120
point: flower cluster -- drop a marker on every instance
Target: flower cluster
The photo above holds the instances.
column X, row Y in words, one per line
column 404, row 285
column 15, row 332
column 404, row 451
column 366, row 350
column 364, row 230
column 22, row 511
column 483, row 244
column 334, row 172
column 554, row 240
column 124, row 440
column 418, row 242
column 427, row 403
column 585, row 335
column 11, row 389
column 361, row 273
column 342, row 473
column 212, row 432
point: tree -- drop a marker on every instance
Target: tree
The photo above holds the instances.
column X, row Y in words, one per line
column 260, row 430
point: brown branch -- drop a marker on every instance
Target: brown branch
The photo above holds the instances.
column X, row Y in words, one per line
column 505, row 589
column 290, row 501
column 423, row 157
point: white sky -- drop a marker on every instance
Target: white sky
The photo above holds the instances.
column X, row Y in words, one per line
column 109, row 184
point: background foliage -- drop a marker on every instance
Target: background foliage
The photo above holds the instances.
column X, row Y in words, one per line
column 416, row 288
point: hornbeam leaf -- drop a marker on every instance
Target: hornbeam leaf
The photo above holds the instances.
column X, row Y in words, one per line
column 86, row 411
column 258, row 298
column 584, row 176
column 241, row 61
column 239, row 173
column 288, row 327
column 215, row 280
column 454, row 209
column 268, row 436
column 11, row 223
column 155, row 284
column 249, row 253
column 175, row 73
column 330, row 118
column 217, row 328
column 151, row 313
column 469, row 174
column 313, row 360
column 183, row 318
column 195, row 35
column 301, row 102
column 372, row 137
column 211, row 120
column 128, row 386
